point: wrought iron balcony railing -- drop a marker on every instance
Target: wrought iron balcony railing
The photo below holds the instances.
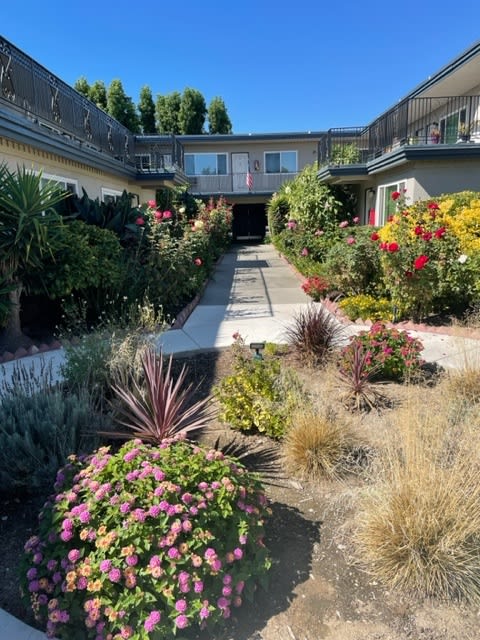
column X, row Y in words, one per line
column 239, row 183
column 416, row 121
column 31, row 90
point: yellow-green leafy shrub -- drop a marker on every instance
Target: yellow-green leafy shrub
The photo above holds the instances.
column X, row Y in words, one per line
column 367, row 307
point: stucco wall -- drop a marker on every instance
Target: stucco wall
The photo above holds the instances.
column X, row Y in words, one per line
column 91, row 179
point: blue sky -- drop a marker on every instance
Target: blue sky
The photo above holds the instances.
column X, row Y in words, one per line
column 299, row 66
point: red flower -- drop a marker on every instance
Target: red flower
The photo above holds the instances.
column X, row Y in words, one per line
column 383, row 246
column 198, row 262
column 139, row 221
column 396, row 195
column 408, row 274
column 420, row 262
column 158, row 215
column 433, row 206
column 393, row 247
column 374, row 236
column 390, row 218
column 440, row 232
column 427, row 236
column 167, row 214
column 418, row 230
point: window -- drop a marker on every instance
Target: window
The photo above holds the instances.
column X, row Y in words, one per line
column 206, row 164
column 110, row 195
column 450, row 125
column 281, row 162
column 143, row 161
column 387, row 206
column 67, row 184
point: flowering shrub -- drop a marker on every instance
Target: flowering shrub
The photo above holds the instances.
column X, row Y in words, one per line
column 392, row 354
column 316, row 287
column 260, row 395
column 366, row 307
column 429, row 254
column 144, row 542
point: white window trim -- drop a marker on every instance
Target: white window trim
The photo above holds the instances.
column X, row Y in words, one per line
column 209, row 153
column 265, row 153
column 59, row 179
column 114, row 193
column 381, row 214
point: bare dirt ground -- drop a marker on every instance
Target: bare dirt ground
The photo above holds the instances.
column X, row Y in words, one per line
column 317, row 590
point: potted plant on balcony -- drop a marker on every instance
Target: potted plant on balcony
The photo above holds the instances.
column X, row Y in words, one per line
column 464, row 132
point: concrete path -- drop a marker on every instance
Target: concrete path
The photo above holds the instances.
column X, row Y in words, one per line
column 253, row 292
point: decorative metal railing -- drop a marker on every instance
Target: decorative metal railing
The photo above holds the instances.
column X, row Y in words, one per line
column 44, row 99
column 416, row 121
column 158, row 154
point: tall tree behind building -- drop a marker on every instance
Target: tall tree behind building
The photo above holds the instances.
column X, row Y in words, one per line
column 218, row 120
column 121, row 107
column 146, row 108
column 168, row 109
column 193, row 111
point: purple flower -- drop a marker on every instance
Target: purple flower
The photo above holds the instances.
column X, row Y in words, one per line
column 114, row 575
column 73, row 555
column 198, row 586
column 33, row 586
column 125, row 507
column 204, row 613
column 238, row 553
column 130, row 455
column 84, row 517
column 105, row 566
column 181, row 605
column 222, row 603
column 131, row 560
column 181, row 621
column 154, row 510
column 152, row 620
column 32, row 573
column 173, row 553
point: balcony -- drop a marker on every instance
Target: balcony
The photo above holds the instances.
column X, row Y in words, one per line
column 159, row 157
column 426, row 123
column 29, row 93
column 236, row 183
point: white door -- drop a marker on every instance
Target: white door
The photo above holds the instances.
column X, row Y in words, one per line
column 239, row 172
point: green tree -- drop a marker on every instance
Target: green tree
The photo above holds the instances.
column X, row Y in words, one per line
column 28, row 230
column 121, row 107
column 146, row 107
column 82, row 86
column 193, row 111
column 168, row 109
column 98, row 94
column 218, row 120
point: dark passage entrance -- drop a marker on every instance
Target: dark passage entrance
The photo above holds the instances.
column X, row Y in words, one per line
column 249, row 221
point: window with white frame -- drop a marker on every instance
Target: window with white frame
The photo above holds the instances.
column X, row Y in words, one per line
column 206, row 164
column 280, row 162
column 110, row 195
column 66, row 184
column 387, row 206
column 143, row 161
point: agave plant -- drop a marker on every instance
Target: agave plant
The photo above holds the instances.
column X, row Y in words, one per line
column 159, row 407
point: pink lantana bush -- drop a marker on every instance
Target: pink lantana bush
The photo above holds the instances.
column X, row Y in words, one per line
column 145, row 542
column 390, row 354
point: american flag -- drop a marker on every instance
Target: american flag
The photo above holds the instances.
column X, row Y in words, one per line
column 249, row 178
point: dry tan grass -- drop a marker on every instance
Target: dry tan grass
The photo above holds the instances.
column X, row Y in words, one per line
column 418, row 526
column 319, row 445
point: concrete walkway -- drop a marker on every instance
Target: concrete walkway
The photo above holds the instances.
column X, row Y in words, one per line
column 256, row 293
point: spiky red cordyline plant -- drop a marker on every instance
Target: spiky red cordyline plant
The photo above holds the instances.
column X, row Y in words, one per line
column 356, row 375
column 158, row 409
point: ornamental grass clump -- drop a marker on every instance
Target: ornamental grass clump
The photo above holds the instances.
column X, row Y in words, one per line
column 318, row 446
column 390, row 354
column 145, row 542
column 418, row 525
